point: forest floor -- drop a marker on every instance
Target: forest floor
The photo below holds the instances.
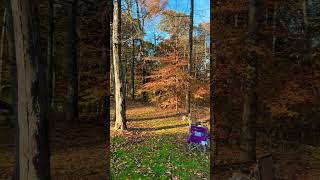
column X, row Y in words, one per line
column 77, row 152
column 302, row 163
column 155, row 147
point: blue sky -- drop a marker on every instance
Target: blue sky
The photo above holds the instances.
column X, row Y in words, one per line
column 201, row 14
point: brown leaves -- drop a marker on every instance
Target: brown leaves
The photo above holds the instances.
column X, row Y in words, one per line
column 201, row 91
column 291, row 94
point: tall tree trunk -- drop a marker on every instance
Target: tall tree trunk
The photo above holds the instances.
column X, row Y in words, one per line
column 106, row 66
column 133, row 52
column 144, row 74
column 188, row 96
column 140, row 27
column 213, row 120
column 144, row 65
column 266, row 17
column 249, row 116
column 13, row 83
column 50, row 52
column 114, row 89
column 132, row 71
column 236, row 19
column 274, row 28
column 2, row 44
column 72, row 113
column 307, row 38
column 120, row 105
column 34, row 161
column 125, row 79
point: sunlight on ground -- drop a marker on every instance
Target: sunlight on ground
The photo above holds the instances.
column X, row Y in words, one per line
column 155, row 147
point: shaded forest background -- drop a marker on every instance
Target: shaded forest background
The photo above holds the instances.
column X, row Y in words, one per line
column 266, row 83
column 288, row 69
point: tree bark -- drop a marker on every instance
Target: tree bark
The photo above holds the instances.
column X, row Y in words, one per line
column 106, row 98
column 72, row 113
column 188, row 96
column 106, row 66
column 13, row 83
column 125, row 81
column 274, row 28
column 236, row 19
column 132, row 71
column 307, row 38
column 50, row 52
column 118, row 75
column 213, row 120
column 249, row 116
column 114, row 89
column 144, row 73
column 130, row 12
column 2, row 44
column 34, row 161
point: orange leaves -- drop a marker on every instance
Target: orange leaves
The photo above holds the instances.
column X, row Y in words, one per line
column 153, row 7
column 278, row 110
column 201, row 91
column 167, row 81
column 291, row 95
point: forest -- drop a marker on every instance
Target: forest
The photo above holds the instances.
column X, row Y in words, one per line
column 266, row 86
column 160, row 89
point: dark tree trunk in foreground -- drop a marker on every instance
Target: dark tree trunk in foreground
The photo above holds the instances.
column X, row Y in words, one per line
column 106, row 21
column 188, row 96
column 213, row 119
column 274, row 28
column 249, row 116
column 2, row 44
column 13, row 83
column 72, row 113
column 307, row 38
column 107, row 61
column 34, row 161
column 120, row 105
column 50, row 53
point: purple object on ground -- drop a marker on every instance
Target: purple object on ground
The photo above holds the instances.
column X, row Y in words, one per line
column 197, row 134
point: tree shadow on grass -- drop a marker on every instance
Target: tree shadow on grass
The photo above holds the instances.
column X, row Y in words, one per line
column 159, row 128
column 156, row 117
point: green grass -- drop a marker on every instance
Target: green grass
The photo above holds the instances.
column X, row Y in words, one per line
column 160, row 153
column 157, row 159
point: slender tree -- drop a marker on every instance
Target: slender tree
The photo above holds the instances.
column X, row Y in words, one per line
column 132, row 71
column 133, row 50
column 213, row 120
column 106, row 21
column 188, row 96
column 307, row 37
column 13, row 82
column 72, row 96
column 107, row 15
column 117, row 65
column 141, row 40
column 274, row 28
column 249, row 116
column 50, row 52
column 2, row 44
column 34, row 161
